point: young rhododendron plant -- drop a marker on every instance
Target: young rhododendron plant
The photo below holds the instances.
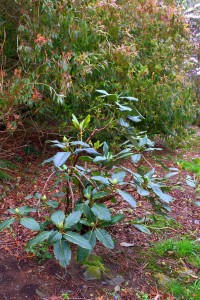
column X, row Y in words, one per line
column 91, row 177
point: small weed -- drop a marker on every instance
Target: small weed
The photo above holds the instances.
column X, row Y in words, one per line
column 65, row 296
column 40, row 252
column 142, row 296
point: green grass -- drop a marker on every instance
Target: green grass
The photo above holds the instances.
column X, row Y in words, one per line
column 180, row 248
column 184, row 291
column 176, row 261
column 192, row 166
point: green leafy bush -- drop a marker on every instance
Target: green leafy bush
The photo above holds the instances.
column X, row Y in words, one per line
column 140, row 47
column 91, row 177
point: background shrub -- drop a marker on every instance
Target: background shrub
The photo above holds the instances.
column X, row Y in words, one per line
column 68, row 49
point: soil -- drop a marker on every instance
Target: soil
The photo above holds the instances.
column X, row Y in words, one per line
column 23, row 277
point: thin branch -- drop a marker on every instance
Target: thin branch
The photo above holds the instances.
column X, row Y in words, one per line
column 147, row 161
column 45, row 185
column 72, row 195
column 96, row 131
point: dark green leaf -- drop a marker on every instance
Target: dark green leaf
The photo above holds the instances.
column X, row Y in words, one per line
column 86, row 210
column 72, row 219
column 105, row 149
column 171, row 174
column 101, row 179
column 6, row 223
column 99, row 195
column 52, row 203
column 136, row 158
column 104, row 237
column 22, row 210
column 142, row 228
column 60, row 158
column 85, row 222
column 114, row 219
column 191, row 182
column 163, row 196
column 142, row 192
column 62, row 253
column 79, row 143
column 82, row 253
column 58, row 217
column 30, row 223
column 127, row 197
column 101, row 211
column 88, row 150
column 118, row 177
column 77, row 239
column 99, row 159
column 42, row 236
column 55, row 236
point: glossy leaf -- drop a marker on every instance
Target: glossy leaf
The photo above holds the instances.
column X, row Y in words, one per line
column 62, row 253
column 142, row 192
column 55, row 236
column 60, row 158
column 101, row 179
column 88, row 150
column 101, row 211
column 79, row 143
column 99, row 195
column 30, row 223
column 104, row 237
column 52, row 203
column 23, row 210
column 136, row 158
column 82, row 253
column 118, row 177
column 129, row 98
column 72, row 219
column 142, row 228
column 77, row 239
column 127, row 197
column 6, row 223
column 58, row 217
column 114, row 219
column 135, row 119
column 41, row 237
column 163, row 196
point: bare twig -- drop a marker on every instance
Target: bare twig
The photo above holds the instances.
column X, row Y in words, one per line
column 72, row 195
column 96, row 131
